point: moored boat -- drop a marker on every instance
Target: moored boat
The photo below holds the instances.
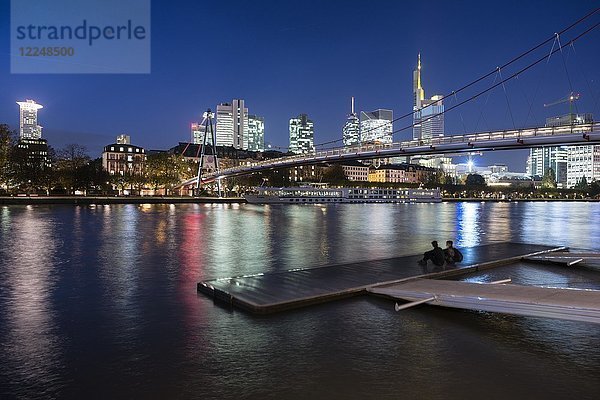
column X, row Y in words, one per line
column 312, row 195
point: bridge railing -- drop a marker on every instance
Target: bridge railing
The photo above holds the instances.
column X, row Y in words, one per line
column 515, row 134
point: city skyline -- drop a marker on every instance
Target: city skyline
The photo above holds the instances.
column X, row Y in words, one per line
column 327, row 80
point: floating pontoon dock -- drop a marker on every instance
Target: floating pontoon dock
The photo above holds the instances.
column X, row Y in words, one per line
column 570, row 304
column 276, row 291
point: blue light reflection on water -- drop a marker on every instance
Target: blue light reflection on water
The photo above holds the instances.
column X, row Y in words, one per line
column 102, row 300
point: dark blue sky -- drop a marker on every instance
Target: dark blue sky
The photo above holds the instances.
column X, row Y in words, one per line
column 290, row 57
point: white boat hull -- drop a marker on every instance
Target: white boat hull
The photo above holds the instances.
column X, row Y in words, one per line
column 341, row 195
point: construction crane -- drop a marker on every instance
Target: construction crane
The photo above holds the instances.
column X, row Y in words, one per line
column 571, row 98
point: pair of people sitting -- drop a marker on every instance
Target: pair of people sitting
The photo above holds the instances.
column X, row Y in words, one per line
column 449, row 255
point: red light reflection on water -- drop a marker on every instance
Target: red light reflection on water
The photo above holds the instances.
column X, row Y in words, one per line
column 192, row 258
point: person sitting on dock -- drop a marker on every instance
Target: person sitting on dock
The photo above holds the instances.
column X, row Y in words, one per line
column 436, row 255
column 451, row 254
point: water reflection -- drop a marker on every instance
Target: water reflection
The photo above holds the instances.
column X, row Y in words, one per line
column 30, row 339
column 555, row 222
column 5, row 220
column 468, row 219
column 119, row 254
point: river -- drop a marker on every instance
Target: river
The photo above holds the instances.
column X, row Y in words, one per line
column 101, row 302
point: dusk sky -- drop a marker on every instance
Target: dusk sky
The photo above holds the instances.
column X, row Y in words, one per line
column 290, row 57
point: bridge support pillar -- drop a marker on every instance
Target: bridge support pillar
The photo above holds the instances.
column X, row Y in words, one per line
column 208, row 125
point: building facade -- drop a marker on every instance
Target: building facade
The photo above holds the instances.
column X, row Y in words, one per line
column 570, row 119
column 256, row 133
column 440, row 163
column 232, row 124
column 376, row 126
column 351, row 129
column 28, row 123
column 583, row 161
column 302, row 135
column 303, row 173
column 432, row 118
column 399, row 173
column 35, row 153
column 123, row 158
column 356, row 171
column 541, row 159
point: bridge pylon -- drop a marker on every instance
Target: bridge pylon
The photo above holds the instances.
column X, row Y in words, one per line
column 208, row 125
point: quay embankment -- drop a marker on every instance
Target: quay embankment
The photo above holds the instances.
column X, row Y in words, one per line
column 85, row 200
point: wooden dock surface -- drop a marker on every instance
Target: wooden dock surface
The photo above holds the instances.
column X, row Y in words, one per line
column 276, row 291
column 570, row 304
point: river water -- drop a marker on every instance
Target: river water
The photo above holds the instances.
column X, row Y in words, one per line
column 101, row 302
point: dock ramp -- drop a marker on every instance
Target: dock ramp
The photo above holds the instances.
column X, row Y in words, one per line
column 547, row 302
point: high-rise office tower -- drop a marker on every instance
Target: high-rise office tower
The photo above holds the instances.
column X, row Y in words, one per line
column 31, row 146
column 232, row 124
column 432, row 119
column 418, row 97
column 256, row 133
column 28, row 126
column 376, row 126
column 351, row 129
column 302, row 135
column 543, row 158
column 428, row 117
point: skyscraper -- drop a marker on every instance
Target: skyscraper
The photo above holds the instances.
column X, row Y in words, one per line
column 28, row 126
column 418, row 97
column 302, row 135
column 351, row 129
column 256, row 133
column 376, row 126
column 432, row 119
column 232, row 124
column 541, row 159
column 31, row 148
column 428, row 117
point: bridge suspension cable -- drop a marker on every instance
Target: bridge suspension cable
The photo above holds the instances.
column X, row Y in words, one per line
column 477, row 80
column 501, row 82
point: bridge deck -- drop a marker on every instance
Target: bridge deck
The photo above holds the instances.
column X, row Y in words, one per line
column 570, row 304
column 482, row 141
column 270, row 292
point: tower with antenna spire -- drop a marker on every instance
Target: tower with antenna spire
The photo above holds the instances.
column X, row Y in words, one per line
column 351, row 131
column 418, row 97
column 419, row 93
column 428, row 117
